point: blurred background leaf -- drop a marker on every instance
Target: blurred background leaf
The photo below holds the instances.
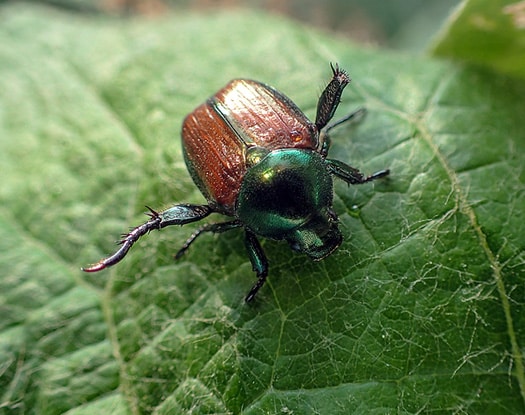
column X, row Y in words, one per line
column 400, row 24
column 486, row 32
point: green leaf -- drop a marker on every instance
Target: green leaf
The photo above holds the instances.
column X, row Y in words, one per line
column 486, row 32
column 420, row 310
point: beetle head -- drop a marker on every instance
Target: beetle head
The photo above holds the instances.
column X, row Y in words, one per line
column 318, row 237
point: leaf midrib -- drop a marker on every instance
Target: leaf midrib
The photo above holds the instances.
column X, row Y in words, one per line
column 462, row 205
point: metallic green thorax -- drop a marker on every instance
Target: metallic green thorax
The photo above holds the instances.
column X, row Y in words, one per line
column 288, row 195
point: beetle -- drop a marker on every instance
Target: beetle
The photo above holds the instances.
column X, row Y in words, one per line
column 258, row 159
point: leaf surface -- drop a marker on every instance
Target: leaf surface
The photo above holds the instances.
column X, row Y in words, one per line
column 420, row 310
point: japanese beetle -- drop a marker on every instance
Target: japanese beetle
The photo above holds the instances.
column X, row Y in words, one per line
column 257, row 158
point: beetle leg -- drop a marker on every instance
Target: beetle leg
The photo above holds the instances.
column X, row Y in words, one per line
column 350, row 174
column 330, row 97
column 324, row 138
column 176, row 215
column 354, row 116
column 210, row 227
column 325, row 143
column 259, row 263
